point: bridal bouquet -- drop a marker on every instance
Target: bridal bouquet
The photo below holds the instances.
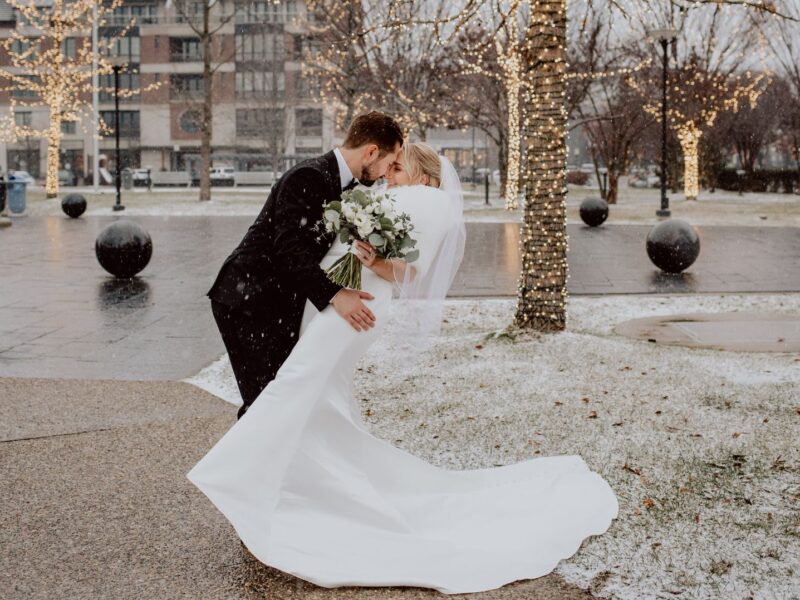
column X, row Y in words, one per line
column 368, row 217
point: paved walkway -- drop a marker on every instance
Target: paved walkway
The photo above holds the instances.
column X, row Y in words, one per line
column 61, row 316
column 94, row 502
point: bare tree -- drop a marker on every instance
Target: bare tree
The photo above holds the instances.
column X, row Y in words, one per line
column 416, row 73
column 714, row 49
column 484, row 95
column 207, row 19
column 610, row 113
column 338, row 52
column 752, row 129
column 782, row 36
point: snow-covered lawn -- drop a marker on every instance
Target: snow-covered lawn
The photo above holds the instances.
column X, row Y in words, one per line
column 635, row 205
column 701, row 446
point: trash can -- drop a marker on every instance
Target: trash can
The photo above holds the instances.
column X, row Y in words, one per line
column 127, row 178
column 15, row 196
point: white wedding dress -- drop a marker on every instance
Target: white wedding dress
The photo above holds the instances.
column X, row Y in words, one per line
column 312, row 492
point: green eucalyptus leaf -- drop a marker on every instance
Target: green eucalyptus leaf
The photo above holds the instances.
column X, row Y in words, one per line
column 411, row 256
column 377, row 240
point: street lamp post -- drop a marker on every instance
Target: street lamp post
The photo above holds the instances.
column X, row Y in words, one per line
column 604, row 184
column 117, row 176
column 665, row 36
column 473, row 155
column 740, row 176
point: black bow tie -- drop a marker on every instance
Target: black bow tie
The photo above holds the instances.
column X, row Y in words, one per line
column 353, row 183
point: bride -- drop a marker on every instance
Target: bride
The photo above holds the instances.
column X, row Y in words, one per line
column 312, row 492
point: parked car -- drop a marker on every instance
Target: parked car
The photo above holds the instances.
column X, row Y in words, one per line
column 644, row 181
column 22, row 176
column 222, row 176
column 140, row 177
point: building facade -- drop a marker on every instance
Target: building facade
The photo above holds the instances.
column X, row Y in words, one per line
column 265, row 112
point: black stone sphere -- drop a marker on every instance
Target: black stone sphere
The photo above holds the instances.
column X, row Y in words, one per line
column 73, row 205
column 123, row 248
column 594, row 211
column 673, row 245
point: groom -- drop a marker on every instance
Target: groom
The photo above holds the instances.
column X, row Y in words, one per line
column 261, row 290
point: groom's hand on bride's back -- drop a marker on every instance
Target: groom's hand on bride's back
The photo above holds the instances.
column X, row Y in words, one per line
column 348, row 303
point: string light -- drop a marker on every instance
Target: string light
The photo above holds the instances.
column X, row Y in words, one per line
column 695, row 105
column 689, row 137
column 510, row 63
column 542, row 289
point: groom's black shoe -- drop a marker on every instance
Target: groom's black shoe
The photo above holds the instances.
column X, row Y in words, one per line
column 242, row 409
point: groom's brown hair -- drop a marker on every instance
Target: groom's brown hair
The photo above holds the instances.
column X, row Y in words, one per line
column 374, row 128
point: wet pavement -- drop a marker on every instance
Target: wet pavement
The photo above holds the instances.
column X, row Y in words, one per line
column 62, row 316
column 736, row 331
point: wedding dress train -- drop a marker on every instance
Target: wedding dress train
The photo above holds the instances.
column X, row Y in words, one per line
column 312, row 492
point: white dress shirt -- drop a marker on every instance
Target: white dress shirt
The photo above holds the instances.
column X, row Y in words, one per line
column 345, row 174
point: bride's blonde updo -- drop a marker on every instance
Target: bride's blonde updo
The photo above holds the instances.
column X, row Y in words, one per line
column 422, row 160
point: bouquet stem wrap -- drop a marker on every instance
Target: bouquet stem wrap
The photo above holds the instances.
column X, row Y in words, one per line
column 346, row 271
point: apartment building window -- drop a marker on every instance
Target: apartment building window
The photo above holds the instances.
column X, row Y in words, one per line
column 23, row 118
column 69, row 47
column 190, row 121
column 185, row 85
column 24, row 92
column 189, row 12
column 265, row 11
column 127, row 81
column 251, row 84
column 127, row 48
column 128, row 123
column 258, row 122
column 306, row 87
column 20, row 46
column 308, row 122
column 185, row 49
column 68, row 127
column 259, row 45
column 143, row 13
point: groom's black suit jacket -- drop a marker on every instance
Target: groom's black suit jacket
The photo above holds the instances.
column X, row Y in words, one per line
column 260, row 292
column 279, row 256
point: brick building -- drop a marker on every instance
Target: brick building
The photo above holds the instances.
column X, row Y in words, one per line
column 265, row 113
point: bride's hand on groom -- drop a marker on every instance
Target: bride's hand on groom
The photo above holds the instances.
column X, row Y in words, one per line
column 350, row 306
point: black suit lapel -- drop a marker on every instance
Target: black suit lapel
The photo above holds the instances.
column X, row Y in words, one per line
column 331, row 167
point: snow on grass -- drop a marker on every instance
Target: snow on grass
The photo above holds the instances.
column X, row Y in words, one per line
column 218, row 379
column 700, row 445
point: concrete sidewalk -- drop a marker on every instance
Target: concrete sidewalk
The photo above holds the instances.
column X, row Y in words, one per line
column 94, row 502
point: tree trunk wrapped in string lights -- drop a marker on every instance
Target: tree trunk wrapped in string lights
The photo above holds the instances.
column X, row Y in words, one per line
column 543, row 236
column 48, row 63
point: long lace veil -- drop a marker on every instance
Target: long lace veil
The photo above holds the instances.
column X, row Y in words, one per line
column 419, row 305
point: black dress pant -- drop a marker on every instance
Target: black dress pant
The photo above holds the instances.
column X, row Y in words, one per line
column 257, row 345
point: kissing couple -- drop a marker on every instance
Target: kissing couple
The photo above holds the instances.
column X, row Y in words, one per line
column 307, row 487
